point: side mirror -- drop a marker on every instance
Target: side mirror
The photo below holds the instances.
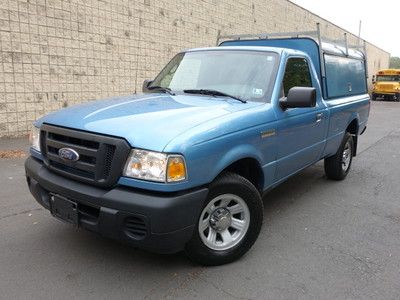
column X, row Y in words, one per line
column 146, row 84
column 299, row 97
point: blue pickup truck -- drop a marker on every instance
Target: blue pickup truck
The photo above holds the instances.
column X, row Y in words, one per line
column 184, row 165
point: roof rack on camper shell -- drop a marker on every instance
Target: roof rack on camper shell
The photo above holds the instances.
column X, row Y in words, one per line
column 328, row 46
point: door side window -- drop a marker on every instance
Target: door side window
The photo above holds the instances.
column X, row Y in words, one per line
column 297, row 73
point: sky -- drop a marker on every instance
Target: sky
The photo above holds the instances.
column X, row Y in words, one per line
column 380, row 20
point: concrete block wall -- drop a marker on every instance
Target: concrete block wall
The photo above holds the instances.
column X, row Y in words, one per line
column 56, row 53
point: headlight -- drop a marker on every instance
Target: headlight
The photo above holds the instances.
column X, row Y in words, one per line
column 34, row 138
column 155, row 166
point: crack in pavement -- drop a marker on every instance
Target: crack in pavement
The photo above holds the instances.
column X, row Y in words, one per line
column 370, row 267
column 375, row 143
column 20, row 213
column 191, row 276
column 218, row 288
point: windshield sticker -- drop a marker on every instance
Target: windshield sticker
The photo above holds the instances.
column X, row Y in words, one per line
column 257, row 92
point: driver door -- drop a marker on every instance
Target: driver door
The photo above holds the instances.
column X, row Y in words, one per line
column 300, row 131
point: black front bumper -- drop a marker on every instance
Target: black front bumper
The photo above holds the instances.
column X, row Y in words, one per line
column 160, row 222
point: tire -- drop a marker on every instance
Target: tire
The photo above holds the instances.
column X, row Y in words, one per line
column 232, row 201
column 373, row 96
column 338, row 166
column 398, row 97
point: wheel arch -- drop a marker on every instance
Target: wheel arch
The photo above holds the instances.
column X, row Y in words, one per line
column 244, row 163
column 250, row 169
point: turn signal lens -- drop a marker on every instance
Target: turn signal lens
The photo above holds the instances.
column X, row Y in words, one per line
column 176, row 170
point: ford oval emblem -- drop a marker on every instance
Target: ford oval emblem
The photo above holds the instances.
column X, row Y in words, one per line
column 68, row 154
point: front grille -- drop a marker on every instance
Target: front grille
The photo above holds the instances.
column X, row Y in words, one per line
column 135, row 227
column 108, row 158
column 101, row 158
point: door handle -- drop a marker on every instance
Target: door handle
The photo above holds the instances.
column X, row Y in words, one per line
column 318, row 117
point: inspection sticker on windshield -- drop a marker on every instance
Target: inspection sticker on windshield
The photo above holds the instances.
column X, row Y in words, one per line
column 257, row 92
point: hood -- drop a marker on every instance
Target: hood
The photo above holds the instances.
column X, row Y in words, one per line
column 147, row 121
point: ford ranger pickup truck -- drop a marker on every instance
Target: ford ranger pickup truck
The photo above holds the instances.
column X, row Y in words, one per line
column 184, row 165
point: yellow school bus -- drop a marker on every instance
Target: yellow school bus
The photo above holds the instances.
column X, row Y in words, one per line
column 386, row 85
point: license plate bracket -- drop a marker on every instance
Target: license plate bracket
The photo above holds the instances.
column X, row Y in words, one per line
column 64, row 209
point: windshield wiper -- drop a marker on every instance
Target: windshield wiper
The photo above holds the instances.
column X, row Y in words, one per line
column 161, row 89
column 212, row 93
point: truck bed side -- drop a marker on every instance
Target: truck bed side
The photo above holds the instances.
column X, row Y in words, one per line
column 346, row 114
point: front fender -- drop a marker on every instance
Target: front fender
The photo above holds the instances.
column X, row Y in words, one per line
column 235, row 154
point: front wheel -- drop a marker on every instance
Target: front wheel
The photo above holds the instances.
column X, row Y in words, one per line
column 373, row 96
column 229, row 223
column 338, row 166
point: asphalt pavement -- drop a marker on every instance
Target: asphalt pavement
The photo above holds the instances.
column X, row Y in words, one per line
column 321, row 239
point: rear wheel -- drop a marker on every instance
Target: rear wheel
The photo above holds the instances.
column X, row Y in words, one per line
column 229, row 223
column 338, row 166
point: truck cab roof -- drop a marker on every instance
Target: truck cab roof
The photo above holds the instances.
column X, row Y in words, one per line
column 278, row 50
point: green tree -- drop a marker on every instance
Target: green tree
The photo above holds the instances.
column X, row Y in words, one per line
column 394, row 62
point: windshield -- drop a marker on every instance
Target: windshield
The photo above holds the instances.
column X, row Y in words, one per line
column 388, row 78
column 247, row 75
